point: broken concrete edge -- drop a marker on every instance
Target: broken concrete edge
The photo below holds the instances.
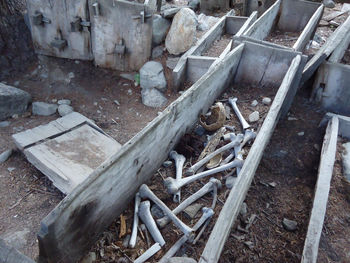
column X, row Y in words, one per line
column 344, row 124
column 319, row 207
column 251, row 19
column 76, row 223
column 325, row 51
column 330, row 87
column 9, row 254
column 309, row 31
column 230, row 211
column 339, row 51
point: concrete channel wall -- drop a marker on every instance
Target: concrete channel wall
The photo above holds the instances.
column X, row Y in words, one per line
column 76, row 223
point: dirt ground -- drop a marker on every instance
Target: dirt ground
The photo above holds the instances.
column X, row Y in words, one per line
column 283, row 185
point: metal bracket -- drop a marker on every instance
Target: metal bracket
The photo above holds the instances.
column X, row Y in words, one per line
column 120, row 48
column 142, row 17
column 78, row 24
column 39, row 19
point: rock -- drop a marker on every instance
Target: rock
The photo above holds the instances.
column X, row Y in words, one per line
column 151, row 4
column 167, row 164
column 153, row 98
column 182, row 33
column 181, row 260
column 301, row 133
column 230, row 181
column 152, row 76
column 5, row 155
column 71, row 75
column 292, row 119
column 191, row 211
column 126, row 241
column 266, row 101
column 129, row 92
column 170, row 11
column 244, row 209
column 172, row 62
column 199, row 130
column 116, row 102
column 64, row 109
column 89, row 258
column 156, row 211
column 346, row 161
column 43, row 108
column 11, row 169
column 254, row 103
column 289, row 225
column 253, row 117
column 193, row 4
column 329, row 3
column 157, row 52
column 4, row 124
column 206, row 22
column 12, row 101
column 64, row 102
column 160, row 29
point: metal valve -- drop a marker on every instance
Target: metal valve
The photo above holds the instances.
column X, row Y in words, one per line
column 39, row 19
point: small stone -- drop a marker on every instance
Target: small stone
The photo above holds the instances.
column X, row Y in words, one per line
column 64, row 109
column 272, row 184
column 206, row 22
column 5, row 155
column 157, row 52
column 244, row 209
column 14, row 116
column 116, row 102
column 160, row 29
column 199, row 130
column 126, row 241
column 89, row 258
column 289, row 225
column 157, row 212
column 64, row 102
column 172, row 62
column 191, row 211
column 329, row 3
column 54, row 100
column 153, row 98
column 317, row 147
column 95, row 103
column 18, row 129
column 181, row 260
column 16, row 83
column 129, row 91
column 254, row 103
column 301, row 133
column 71, row 75
column 253, row 117
column 43, row 108
column 230, row 181
column 4, row 124
column 292, row 119
column 11, row 169
column 266, row 101
column 152, row 76
column 77, row 62
column 167, row 164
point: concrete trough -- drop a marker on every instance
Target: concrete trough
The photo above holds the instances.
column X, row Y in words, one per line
column 296, row 18
column 76, row 223
column 194, row 63
column 331, row 85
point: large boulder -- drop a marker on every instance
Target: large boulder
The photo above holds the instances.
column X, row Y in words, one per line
column 160, row 29
column 206, row 22
column 153, row 98
column 12, row 101
column 152, row 76
column 182, row 33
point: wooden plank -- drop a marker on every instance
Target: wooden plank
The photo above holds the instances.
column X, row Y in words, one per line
column 309, row 30
column 76, row 223
column 261, row 28
column 324, row 52
column 54, row 128
column 197, row 66
column 339, row 51
column 238, row 193
column 69, row 159
column 251, row 19
column 179, row 72
column 323, row 184
column 11, row 255
column 234, row 24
